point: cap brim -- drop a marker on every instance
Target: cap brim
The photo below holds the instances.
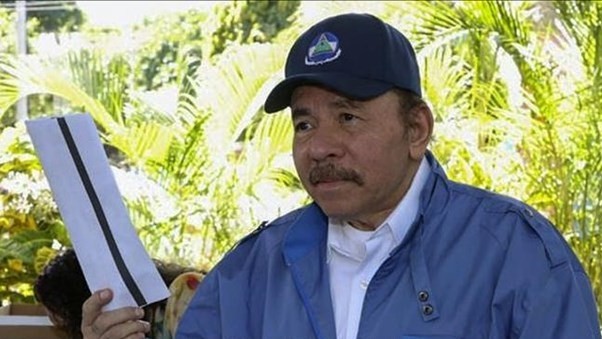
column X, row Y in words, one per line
column 349, row 86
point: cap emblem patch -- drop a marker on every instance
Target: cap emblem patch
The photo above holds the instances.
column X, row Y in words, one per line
column 324, row 48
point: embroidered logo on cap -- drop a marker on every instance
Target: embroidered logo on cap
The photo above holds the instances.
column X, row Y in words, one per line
column 324, row 48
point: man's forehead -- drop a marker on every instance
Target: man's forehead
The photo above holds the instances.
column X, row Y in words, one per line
column 334, row 98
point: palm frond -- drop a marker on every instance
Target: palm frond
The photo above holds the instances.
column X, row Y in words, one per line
column 242, row 71
column 31, row 76
column 146, row 141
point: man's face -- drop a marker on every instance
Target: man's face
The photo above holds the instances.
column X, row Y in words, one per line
column 353, row 157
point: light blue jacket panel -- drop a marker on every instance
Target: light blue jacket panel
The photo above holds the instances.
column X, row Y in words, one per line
column 474, row 265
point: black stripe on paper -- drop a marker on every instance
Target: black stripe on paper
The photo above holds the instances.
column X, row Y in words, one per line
column 100, row 215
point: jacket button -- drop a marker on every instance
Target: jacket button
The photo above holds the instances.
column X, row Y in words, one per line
column 427, row 309
column 423, row 296
column 528, row 212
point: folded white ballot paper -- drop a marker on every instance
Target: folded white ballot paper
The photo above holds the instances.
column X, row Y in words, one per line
column 84, row 188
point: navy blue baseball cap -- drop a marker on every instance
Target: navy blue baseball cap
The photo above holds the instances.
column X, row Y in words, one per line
column 356, row 55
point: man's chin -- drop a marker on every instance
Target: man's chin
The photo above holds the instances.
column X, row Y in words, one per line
column 337, row 211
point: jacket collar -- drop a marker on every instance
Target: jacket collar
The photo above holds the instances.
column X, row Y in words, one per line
column 304, row 250
column 310, row 229
column 305, row 234
column 435, row 192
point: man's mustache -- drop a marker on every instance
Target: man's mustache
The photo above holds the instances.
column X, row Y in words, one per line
column 329, row 172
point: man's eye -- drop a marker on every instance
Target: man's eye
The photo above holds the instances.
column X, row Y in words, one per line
column 346, row 117
column 302, row 126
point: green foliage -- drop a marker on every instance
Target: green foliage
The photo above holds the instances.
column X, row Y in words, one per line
column 242, row 22
column 211, row 171
column 8, row 36
column 20, row 78
column 172, row 49
column 8, row 30
column 8, row 45
column 565, row 146
column 64, row 16
column 30, row 225
column 103, row 78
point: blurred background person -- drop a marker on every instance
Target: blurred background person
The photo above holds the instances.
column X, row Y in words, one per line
column 62, row 289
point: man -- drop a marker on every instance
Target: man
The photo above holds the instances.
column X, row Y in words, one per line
column 391, row 248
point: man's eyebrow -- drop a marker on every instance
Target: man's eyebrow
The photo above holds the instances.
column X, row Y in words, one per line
column 342, row 102
column 299, row 112
column 339, row 102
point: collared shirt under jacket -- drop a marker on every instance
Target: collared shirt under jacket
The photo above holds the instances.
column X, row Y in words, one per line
column 473, row 265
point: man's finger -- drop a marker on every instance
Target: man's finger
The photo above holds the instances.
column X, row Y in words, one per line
column 93, row 306
column 129, row 329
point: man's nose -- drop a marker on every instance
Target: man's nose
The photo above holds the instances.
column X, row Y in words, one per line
column 326, row 143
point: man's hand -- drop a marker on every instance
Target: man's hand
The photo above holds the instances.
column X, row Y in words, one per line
column 123, row 323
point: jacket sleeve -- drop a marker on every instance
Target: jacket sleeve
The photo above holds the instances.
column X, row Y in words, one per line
column 563, row 309
column 542, row 291
column 558, row 302
column 202, row 318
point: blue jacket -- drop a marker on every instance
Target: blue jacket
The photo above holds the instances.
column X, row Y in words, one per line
column 473, row 265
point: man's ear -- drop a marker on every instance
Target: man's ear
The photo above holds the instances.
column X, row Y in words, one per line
column 421, row 130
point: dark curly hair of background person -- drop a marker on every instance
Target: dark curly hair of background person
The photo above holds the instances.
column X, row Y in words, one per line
column 63, row 276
